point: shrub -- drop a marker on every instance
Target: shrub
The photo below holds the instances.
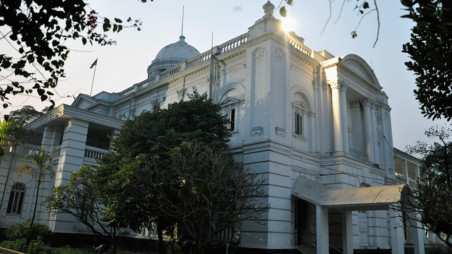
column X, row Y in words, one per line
column 37, row 247
column 69, row 250
column 20, row 231
column 17, row 245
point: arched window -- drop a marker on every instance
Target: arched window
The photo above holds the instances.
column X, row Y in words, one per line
column 301, row 110
column 16, row 198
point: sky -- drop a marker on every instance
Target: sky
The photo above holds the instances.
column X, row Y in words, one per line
column 125, row 64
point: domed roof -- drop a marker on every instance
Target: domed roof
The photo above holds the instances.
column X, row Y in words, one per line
column 172, row 55
column 177, row 50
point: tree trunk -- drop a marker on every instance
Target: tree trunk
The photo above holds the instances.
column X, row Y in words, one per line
column 34, row 213
column 162, row 249
column 113, row 241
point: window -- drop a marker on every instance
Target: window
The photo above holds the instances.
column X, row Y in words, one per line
column 231, row 117
column 298, row 123
column 230, row 109
column 16, row 198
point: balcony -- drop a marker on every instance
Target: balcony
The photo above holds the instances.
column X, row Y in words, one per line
column 92, row 154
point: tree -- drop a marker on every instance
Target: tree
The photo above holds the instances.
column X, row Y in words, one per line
column 12, row 133
column 39, row 31
column 213, row 195
column 81, row 199
column 25, row 114
column 431, row 196
column 430, row 50
column 42, row 162
column 150, row 159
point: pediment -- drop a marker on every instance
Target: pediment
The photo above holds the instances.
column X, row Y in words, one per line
column 359, row 67
column 83, row 101
column 230, row 101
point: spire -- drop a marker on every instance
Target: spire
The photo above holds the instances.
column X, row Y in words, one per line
column 182, row 29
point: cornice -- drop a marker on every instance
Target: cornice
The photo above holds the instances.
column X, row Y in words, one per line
column 67, row 112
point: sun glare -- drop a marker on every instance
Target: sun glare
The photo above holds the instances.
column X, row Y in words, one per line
column 288, row 24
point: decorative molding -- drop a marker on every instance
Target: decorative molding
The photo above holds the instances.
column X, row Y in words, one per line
column 280, row 132
column 280, row 55
column 259, row 52
column 181, row 92
column 354, row 104
column 257, row 131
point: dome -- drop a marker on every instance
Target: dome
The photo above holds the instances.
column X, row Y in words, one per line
column 172, row 55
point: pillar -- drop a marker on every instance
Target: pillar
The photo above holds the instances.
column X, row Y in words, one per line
column 322, row 234
column 344, row 115
column 337, row 119
column 71, row 159
column 347, row 232
column 374, row 127
column 48, row 138
column 416, row 234
column 367, row 129
column 397, row 234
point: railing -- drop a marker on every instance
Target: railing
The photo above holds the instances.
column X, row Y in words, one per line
column 170, row 71
column 94, row 153
column 227, row 46
column 332, row 249
column 234, row 43
column 300, row 46
column 26, row 149
column 198, row 59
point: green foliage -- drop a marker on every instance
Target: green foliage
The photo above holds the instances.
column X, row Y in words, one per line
column 430, row 50
column 19, row 231
column 431, row 196
column 152, row 135
column 39, row 31
column 12, row 133
column 24, row 115
column 171, row 167
column 17, row 245
column 69, row 250
column 35, row 247
column 82, row 199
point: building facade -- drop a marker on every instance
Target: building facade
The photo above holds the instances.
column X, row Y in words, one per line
column 316, row 126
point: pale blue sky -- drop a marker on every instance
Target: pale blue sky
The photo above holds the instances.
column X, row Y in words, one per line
column 125, row 64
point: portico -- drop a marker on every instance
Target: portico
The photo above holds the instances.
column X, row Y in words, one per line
column 329, row 203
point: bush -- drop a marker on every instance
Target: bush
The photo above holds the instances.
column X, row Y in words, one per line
column 37, row 247
column 17, row 245
column 69, row 250
column 20, row 231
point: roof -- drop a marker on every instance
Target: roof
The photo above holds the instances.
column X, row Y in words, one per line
column 365, row 198
column 172, row 55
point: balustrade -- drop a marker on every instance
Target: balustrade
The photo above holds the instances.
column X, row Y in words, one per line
column 94, row 153
column 227, row 46
column 299, row 46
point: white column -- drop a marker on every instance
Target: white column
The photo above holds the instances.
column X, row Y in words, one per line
column 71, row 159
column 373, row 115
column 397, row 234
column 324, row 132
column 312, row 131
column 47, row 138
column 407, row 178
column 416, row 234
column 337, row 120
column 367, row 129
column 322, row 234
column 347, row 232
column 344, row 116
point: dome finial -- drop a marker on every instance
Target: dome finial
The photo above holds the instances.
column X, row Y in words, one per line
column 268, row 9
column 182, row 29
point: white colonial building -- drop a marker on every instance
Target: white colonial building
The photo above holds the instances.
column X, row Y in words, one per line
column 318, row 127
